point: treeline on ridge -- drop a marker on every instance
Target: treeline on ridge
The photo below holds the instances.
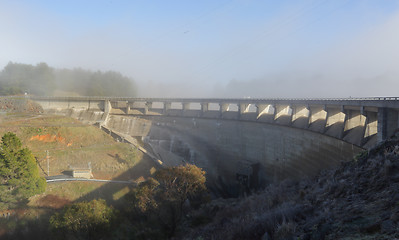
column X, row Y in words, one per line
column 42, row 80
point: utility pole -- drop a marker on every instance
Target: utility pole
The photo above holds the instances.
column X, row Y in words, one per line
column 48, row 163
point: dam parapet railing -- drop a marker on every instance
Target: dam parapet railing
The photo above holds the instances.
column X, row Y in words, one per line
column 361, row 121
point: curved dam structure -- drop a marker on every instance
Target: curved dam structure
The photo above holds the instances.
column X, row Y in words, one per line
column 243, row 154
column 242, row 144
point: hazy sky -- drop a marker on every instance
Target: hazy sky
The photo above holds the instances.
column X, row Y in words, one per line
column 226, row 48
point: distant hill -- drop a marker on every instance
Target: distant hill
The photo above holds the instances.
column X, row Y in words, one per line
column 42, row 80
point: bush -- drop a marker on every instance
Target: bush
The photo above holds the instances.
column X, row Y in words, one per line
column 84, row 220
column 160, row 200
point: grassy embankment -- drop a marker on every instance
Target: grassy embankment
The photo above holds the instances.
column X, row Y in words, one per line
column 70, row 144
column 73, row 144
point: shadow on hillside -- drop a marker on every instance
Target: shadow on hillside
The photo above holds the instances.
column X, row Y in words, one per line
column 112, row 192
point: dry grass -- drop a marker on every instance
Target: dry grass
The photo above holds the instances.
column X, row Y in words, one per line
column 71, row 144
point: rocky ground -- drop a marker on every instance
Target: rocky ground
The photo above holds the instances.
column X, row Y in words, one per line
column 357, row 200
column 20, row 105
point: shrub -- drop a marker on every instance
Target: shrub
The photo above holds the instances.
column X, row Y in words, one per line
column 84, row 220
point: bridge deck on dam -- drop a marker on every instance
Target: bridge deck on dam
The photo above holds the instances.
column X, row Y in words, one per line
column 360, row 121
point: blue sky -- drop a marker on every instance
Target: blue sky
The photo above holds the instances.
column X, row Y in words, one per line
column 226, row 48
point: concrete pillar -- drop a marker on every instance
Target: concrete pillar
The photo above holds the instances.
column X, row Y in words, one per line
column 147, row 107
column 362, row 112
column 334, row 116
column 299, row 111
column 317, row 118
column 243, row 108
column 365, row 128
column 371, row 124
column 204, row 107
column 223, row 108
column 346, row 115
column 271, row 109
column 186, row 106
column 282, row 110
column 166, row 107
column 317, row 113
column 382, row 124
column 354, row 119
column 127, row 107
column 262, row 109
column 365, row 123
column 107, row 106
column 387, row 123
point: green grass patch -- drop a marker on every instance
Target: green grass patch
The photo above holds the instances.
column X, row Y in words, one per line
column 72, row 190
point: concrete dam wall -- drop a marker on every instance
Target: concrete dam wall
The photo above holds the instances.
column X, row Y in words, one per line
column 237, row 154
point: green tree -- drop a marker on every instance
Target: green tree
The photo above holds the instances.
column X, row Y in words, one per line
column 163, row 197
column 84, row 220
column 19, row 174
column 42, row 81
column 18, row 78
column 143, row 199
column 110, row 84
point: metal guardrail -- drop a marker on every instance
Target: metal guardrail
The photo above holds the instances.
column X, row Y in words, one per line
column 99, row 98
column 157, row 99
column 87, row 180
column 231, row 100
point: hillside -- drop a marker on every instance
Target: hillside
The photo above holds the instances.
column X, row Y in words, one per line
column 73, row 144
column 357, row 200
column 70, row 144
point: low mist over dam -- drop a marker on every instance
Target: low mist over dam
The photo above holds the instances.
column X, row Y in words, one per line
column 242, row 144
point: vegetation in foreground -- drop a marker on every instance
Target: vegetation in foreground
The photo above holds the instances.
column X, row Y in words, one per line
column 153, row 210
column 19, row 175
column 84, row 220
column 357, row 200
column 162, row 202
column 109, row 160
